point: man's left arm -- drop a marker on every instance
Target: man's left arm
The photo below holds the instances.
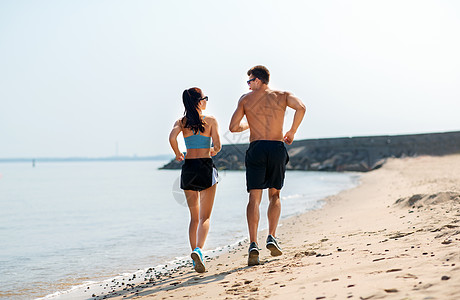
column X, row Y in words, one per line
column 300, row 109
column 236, row 123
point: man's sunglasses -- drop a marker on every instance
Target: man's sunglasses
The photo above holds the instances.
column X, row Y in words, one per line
column 249, row 81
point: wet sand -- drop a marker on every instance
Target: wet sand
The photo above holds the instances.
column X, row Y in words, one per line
column 395, row 236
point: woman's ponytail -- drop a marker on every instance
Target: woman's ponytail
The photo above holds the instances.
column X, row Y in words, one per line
column 191, row 98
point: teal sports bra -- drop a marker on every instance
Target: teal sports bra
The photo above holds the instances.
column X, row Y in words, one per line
column 197, row 141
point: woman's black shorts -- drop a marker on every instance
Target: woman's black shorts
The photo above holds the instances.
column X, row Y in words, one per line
column 266, row 165
column 198, row 174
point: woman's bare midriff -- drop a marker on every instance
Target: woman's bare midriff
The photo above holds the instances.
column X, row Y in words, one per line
column 198, row 153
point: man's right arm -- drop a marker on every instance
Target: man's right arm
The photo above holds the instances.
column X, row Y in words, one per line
column 236, row 123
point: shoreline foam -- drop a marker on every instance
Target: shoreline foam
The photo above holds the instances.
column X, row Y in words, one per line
column 150, row 274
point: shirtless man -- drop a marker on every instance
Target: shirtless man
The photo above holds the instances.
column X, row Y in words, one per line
column 266, row 157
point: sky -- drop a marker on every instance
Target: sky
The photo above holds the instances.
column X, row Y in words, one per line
column 96, row 78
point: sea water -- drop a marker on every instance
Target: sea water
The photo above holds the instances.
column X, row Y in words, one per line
column 63, row 224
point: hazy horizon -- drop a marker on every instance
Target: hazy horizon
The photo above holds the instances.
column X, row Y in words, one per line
column 163, row 155
column 103, row 78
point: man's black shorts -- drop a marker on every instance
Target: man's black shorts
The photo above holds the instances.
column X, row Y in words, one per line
column 266, row 165
column 198, row 174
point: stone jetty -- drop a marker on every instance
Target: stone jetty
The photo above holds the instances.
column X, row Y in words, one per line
column 359, row 154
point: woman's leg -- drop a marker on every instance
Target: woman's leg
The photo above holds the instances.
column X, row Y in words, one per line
column 194, row 207
column 206, row 203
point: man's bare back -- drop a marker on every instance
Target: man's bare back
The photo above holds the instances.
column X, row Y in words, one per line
column 264, row 112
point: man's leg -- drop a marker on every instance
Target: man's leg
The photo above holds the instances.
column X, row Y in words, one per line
column 252, row 213
column 274, row 210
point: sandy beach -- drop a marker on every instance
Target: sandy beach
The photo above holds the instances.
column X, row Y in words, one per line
column 395, row 236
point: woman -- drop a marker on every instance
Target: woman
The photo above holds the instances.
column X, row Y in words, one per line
column 199, row 175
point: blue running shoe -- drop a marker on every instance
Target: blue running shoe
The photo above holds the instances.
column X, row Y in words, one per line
column 197, row 257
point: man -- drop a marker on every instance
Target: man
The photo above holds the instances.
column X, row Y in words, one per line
column 266, row 157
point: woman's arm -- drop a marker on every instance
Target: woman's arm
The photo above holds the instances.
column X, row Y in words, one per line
column 215, row 137
column 177, row 128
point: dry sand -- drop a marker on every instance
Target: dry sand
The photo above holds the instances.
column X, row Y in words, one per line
column 395, row 236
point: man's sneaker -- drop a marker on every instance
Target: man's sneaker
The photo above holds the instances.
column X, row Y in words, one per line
column 253, row 258
column 273, row 246
column 198, row 260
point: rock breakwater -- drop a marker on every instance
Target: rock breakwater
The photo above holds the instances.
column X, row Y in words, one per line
column 359, row 154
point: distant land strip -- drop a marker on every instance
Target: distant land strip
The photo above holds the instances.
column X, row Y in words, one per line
column 87, row 159
column 360, row 154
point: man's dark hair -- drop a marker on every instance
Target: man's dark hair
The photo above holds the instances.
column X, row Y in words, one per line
column 260, row 72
